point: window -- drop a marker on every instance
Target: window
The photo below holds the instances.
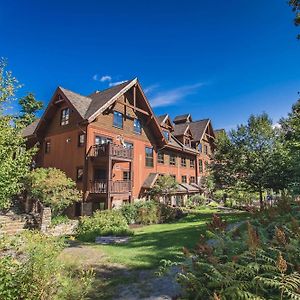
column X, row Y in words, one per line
column 183, row 179
column 187, row 142
column 47, row 147
column 79, row 173
column 160, row 158
column 100, row 140
column 81, row 139
column 200, row 147
column 166, row 134
column 126, row 175
column 65, row 116
column 200, row 166
column 192, row 163
column 183, row 161
column 205, row 149
column 149, row 156
column 137, row 127
column 192, row 179
column 174, row 177
column 172, row 160
column 118, row 119
column 128, row 145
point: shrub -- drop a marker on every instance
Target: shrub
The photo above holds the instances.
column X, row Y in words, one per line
column 258, row 260
column 196, row 200
column 168, row 213
column 57, row 220
column 129, row 211
column 147, row 212
column 108, row 222
column 53, row 188
column 30, row 269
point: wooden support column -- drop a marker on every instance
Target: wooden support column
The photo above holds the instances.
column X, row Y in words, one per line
column 109, row 177
column 134, row 97
column 131, row 178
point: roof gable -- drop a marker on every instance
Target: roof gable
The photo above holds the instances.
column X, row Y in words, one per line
column 186, row 118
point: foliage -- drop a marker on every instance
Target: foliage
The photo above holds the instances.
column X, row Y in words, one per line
column 252, row 158
column 30, row 269
column 57, row 220
column 149, row 212
column 196, row 200
column 295, row 4
column 208, row 184
column 108, row 222
column 53, row 188
column 14, row 158
column 164, row 185
column 254, row 260
column 29, row 107
column 291, row 129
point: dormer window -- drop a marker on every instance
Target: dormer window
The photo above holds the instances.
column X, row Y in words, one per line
column 187, row 142
column 166, row 134
column 200, row 147
column 65, row 116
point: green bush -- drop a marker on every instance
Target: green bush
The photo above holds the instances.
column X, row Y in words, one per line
column 108, row 222
column 129, row 211
column 196, row 200
column 147, row 212
column 30, row 268
column 53, row 188
column 168, row 213
column 259, row 259
column 57, row 220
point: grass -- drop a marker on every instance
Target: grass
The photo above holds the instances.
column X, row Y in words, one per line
column 151, row 244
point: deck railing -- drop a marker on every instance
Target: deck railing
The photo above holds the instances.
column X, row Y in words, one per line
column 118, row 186
column 117, row 151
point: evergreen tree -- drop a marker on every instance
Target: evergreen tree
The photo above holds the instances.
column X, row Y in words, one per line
column 29, row 107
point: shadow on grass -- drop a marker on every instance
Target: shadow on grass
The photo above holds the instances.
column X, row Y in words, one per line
column 153, row 243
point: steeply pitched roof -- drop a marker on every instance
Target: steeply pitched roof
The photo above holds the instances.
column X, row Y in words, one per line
column 80, row 103
column 182, row 118
column 161, row 118
column 179, row 129
column 30, row 129
column 198, row 128
column 98, row 99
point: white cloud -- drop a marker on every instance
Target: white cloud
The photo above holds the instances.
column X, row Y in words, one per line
column 150, row 88
column 103, row 78
column 174, row 95
column 116, row 83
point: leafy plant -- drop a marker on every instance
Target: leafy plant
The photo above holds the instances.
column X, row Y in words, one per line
column 53, row 188
column 102, row 223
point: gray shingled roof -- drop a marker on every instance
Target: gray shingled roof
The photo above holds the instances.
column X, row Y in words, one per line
column 197, row 128
column 190, row 188
column 81, row 103
column 150, row 180
column 181, row 118
column 30, row 129
column 161, row 118
column 179, row 129
column 100, row 98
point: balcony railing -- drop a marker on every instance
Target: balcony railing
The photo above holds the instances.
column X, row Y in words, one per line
column 116, row 151
column 118, row 186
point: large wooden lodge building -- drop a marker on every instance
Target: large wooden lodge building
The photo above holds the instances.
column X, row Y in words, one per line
column 114, row 147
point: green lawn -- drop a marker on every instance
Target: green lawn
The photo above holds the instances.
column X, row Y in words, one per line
column 151, row 244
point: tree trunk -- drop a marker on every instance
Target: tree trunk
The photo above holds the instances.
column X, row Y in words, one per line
column 261, row 202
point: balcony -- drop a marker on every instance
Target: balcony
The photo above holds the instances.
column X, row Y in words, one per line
column 111, row 150
column 115, row 187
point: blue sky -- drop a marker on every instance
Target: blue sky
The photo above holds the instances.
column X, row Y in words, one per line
column 218, row 59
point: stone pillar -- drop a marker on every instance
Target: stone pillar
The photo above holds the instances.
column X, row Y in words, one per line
column 45, row 219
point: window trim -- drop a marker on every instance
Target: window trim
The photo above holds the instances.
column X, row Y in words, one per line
column 159, row 161
column 79, row 143
column 134, row 127
column 147, row 158
column 102, row 136
column 173, row 156
column 183, row 161
column 192, row 181
column 183, row 176
column 192, row 166
column 65, row 119
column 116, row 125
column 201, row 169
column 165, row 131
